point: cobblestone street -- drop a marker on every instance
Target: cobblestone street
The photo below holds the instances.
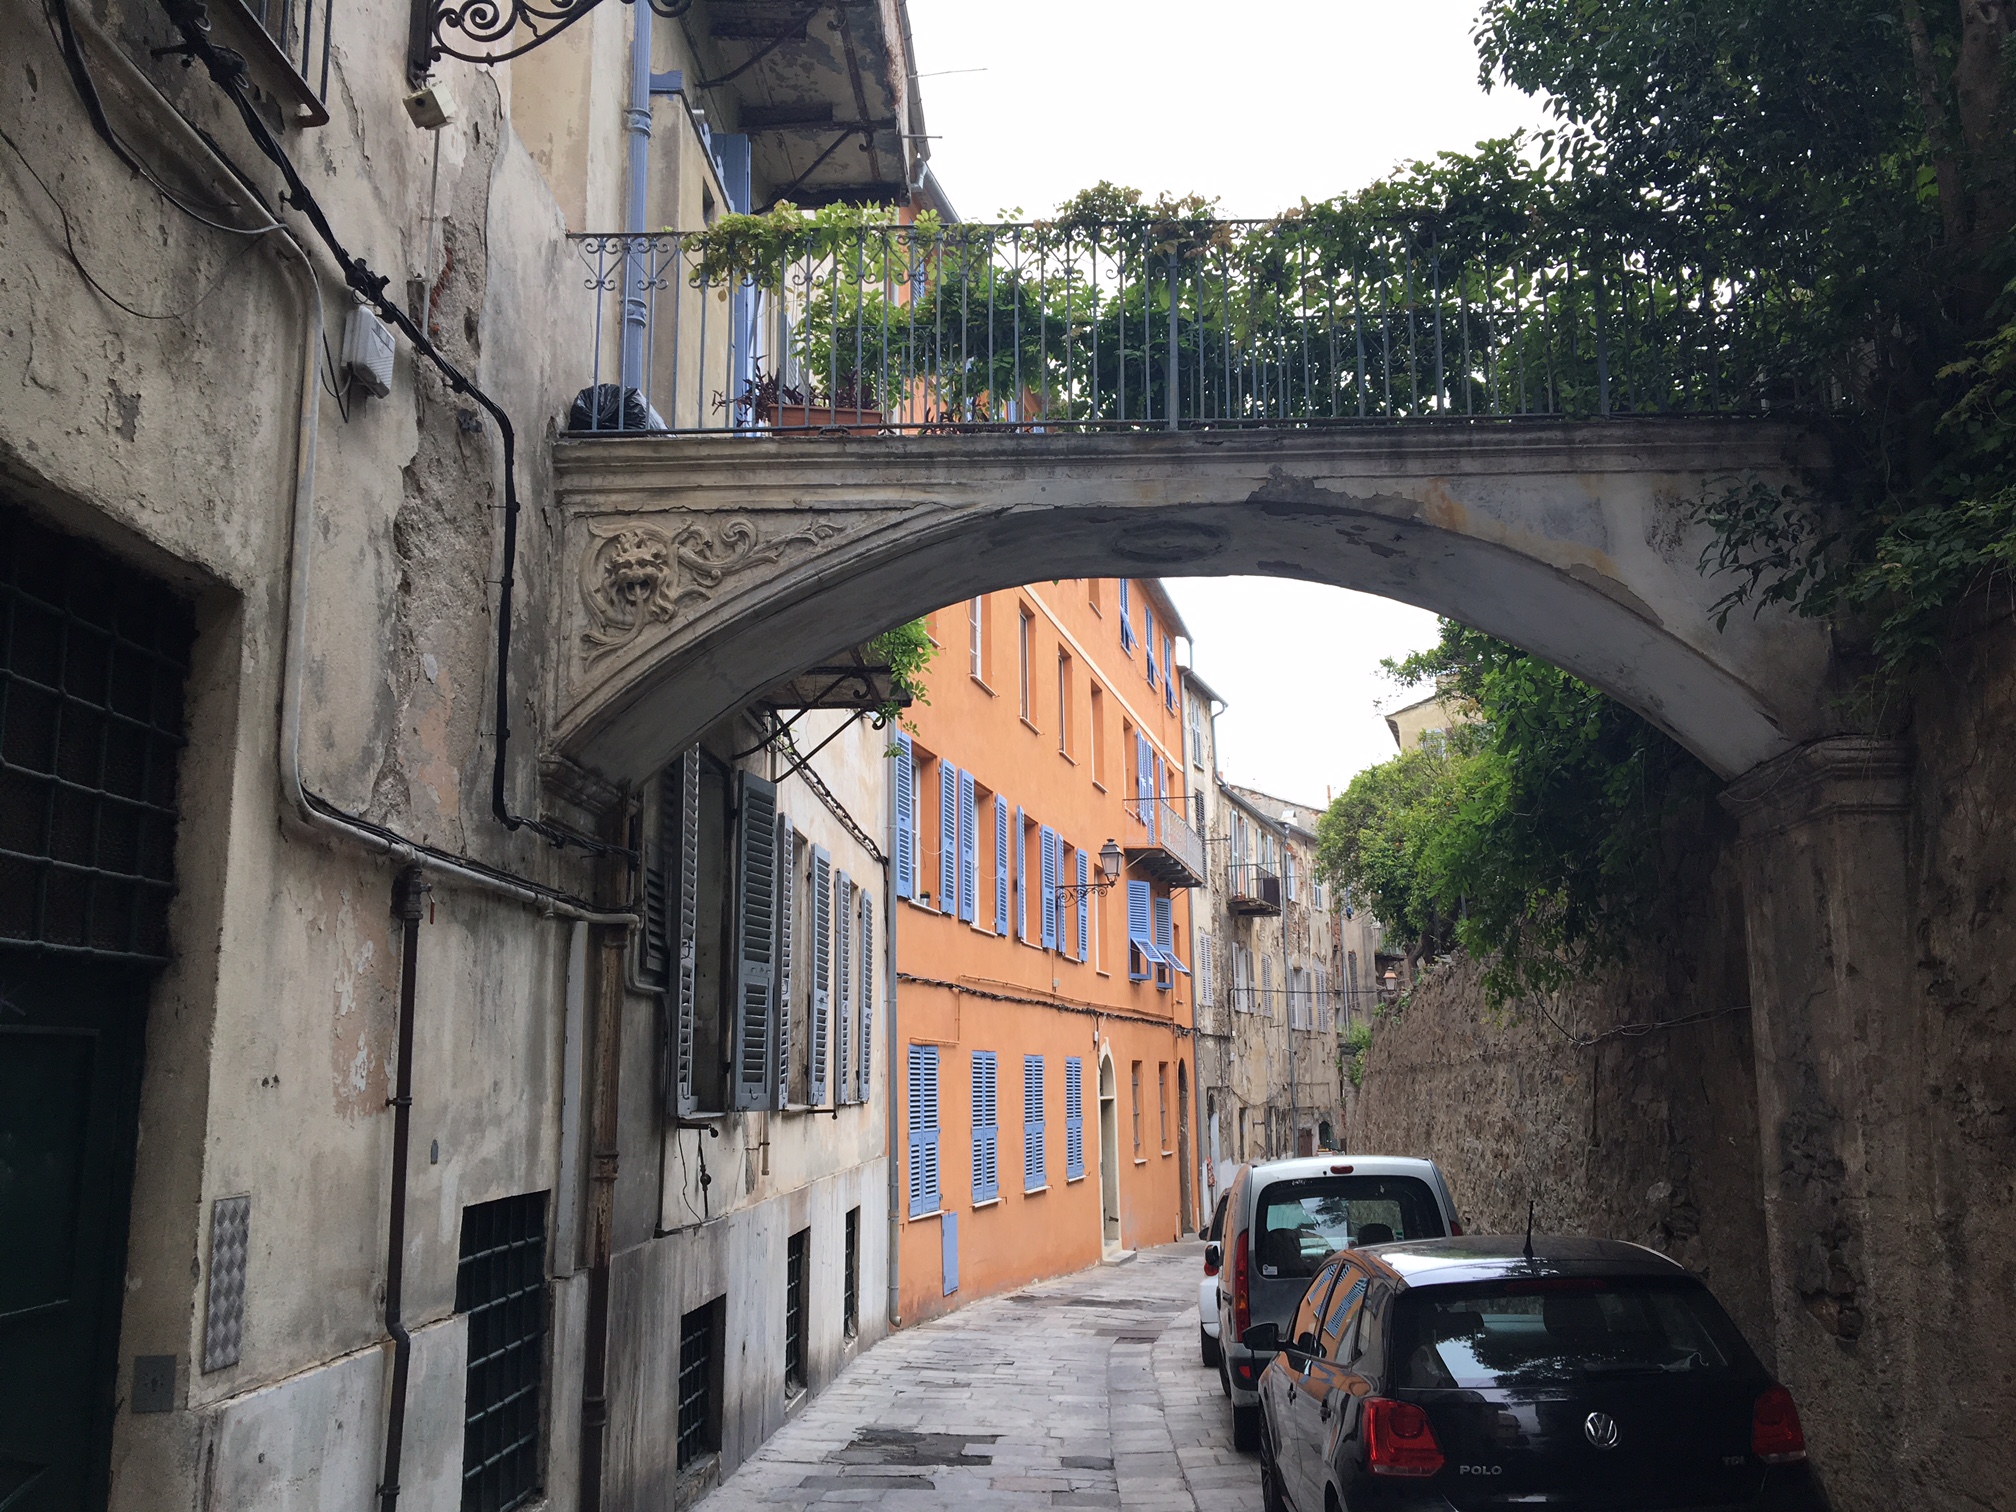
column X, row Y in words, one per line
column 1085, row 1391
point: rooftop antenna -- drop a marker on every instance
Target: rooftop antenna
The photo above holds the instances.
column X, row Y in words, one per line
column 1529, row 1228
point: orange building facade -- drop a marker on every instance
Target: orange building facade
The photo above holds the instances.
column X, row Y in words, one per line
column 1044, row 1009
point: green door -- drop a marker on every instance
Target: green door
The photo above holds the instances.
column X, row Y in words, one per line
column 69, row 1080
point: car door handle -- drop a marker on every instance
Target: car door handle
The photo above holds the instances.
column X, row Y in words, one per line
column 1291, row 1391
column 1323, row 1412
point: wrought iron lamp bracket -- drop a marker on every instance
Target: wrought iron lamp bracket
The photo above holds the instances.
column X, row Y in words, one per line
column 488, row 31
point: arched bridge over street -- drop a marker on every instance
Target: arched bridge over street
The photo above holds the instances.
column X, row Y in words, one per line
column 704, row 569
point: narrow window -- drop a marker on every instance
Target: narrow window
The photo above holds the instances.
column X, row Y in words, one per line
column 1097, row 731
column 500, row 1286
column 699, row 1423
column 1162, row 1100
column 797, row 1257
column 850, row 1281
column 1092, row 589
column 1137, row 1109
column 1064, row 703
column 1022, row 632
column 976, row 621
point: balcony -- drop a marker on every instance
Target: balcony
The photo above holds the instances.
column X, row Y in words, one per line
column 1252, row 889
column 1163, row 844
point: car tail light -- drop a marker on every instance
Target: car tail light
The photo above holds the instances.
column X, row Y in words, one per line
column 1775, row 1435
column 1455, row 1229
column 1398, row 1440
column 1210, row 1269
column 1242, row 1304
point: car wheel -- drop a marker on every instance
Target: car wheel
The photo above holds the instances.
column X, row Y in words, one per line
column 1224, row 1373
column 1246, row 1427
column 1271, row 1498
column 1207, row 1347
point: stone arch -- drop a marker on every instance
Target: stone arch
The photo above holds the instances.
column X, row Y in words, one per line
column 707, row 570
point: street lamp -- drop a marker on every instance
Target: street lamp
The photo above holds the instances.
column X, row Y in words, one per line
column 1111, row 860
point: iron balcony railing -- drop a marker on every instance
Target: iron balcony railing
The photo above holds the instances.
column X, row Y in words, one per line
column 1251, row 888
column 1163, row 842
column 1138, row 325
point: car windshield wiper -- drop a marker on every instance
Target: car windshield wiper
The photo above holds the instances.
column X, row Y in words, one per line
column 1632, row 1367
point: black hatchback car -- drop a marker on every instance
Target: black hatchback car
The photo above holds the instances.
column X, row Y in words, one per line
column 1466, row 1373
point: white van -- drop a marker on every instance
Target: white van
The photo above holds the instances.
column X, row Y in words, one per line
column 1282, row 1220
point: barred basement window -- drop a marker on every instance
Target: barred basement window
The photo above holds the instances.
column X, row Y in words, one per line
column 850, row 1296
column 500, row 1285
column 797, row 1255
column 698, row 1431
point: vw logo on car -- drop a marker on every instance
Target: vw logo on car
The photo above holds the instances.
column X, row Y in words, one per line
column 1601, row 1430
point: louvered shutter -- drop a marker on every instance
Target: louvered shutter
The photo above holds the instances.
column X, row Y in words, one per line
column 864, row 1057
column 1000, row 865
column 755, row 939
column 822, row 974
column 1161, row 791
column 1048, row 839
column 661, row 855
column 1084, row 896
column 969, row 851
column 1021, row 877
column 1148, row 640
column 922, row 1127
column 1035, row 1162
column 1074, row 1118
column 1126, row 619
column 1165, row 933
column 906, row 818
column 1169, row 673
column 685, row 935
column 948, row 837
column 986, row 1127
column 1140, row 933
column 843, row 984
column 1144, row 780
column 1204, row 965
column 787, row 876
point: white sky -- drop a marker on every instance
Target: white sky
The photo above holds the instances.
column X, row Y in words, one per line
column 1260, row 107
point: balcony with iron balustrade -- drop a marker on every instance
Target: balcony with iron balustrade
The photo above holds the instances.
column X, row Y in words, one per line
column 1162, row 844
column 1252, row 889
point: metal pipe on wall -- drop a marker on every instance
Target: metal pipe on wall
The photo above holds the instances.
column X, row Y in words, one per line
column 409, row 891
column 604, row 1132
column 890, row 1069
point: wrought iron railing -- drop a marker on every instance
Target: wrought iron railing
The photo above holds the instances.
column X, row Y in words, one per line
column 1166, row 823
column 967, row 327
column 1252, row 888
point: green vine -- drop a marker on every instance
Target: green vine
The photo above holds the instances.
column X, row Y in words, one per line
column 906, row 651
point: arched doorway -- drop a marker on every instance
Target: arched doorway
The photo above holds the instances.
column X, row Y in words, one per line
column 1109, row 1157
column 1183, row 1144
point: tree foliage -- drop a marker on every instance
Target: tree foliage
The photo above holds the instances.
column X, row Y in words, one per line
column 1531, row 836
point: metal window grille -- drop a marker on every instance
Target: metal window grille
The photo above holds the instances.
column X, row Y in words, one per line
column 850, row 1296
column 93, row 658
column 796, row 1258
column 301, row 28
column 500, row 1286
column 696, row 1384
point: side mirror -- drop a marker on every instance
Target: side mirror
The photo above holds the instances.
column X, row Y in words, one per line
column 1213, row 1258
column 1262, row 1338
column 1306, row 1345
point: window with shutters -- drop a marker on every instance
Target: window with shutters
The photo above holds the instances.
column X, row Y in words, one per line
column 1205, row 982
column 921, row 1127
column 1083, row 903
column 1035, row 1155
column 1064, row 702
column 1169, row 673
column 1095, row 732
column 1074, row 1118
column 1022, row 888
column 720, row 911
column 864, row 1058
column 1024, row 635
column 800, row 966
column 1048, row 860
column 948, row 836
column 1148, row 642
column 986, row 1127
column 1144, row 959
column 969, row 848
column 1267, row 986
column 976, row 628
column 843, row 988
column 819, row 1038
column 1001, row 859
column 905, row 798
column 786, row 1027
column 1165, row 944
column 1195, row 726
column 1126, row 618
column 754, row 1005
column 1137, row 1111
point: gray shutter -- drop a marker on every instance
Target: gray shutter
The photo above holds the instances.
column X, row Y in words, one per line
column 843, row 984
column 864, row 1058
column 822, row 972
column 755, row 941
column 787, row 877
column 906, row 817
column 685, row 931
column 654, row 953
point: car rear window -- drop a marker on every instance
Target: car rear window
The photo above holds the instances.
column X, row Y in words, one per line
column 1559, row 1331
column 1300, row 1224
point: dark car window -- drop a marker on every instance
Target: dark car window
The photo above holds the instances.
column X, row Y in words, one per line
column 1340, row 1319
column 1300, row 1224
column 1312, row 1305
column 1217, row 1230
column 1546, row 1332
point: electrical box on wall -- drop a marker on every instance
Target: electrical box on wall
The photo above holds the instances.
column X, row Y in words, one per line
column 367, row 352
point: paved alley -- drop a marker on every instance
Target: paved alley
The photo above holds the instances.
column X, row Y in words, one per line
column 1085, row 1391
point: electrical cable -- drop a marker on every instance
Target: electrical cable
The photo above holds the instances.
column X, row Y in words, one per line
column 227, row 70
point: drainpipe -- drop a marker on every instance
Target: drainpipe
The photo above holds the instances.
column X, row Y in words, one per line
column 890, row 1068
column 408, row 891
column 1288, row 998
column 637, row 125
column 603, row 1113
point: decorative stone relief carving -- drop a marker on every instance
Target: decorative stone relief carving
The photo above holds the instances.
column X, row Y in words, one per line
column 634, row 576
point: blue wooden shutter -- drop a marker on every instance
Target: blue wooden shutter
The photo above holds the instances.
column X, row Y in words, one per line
column 986, row 1127
column 1140, row 933
column 1144, row 780
column 1021, row 877
column 1035, row 1162
column 922, row 1126
column 865, row 1056
column 1000, row 865
column 948, row 837
column 1048, row 839
column 1169, row 673
column 1126, row 619
column 1074, row 1118
column 1084, row 906
column 822, row 975
column 906, row 818
column 948, row 1233
column 1148, row 640
column 787, row 876
column 843, row 986
column 1165, row 933
column 1161, row 792
column 969, row 851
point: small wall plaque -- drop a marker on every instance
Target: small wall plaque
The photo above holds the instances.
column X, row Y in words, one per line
column 153, row 1383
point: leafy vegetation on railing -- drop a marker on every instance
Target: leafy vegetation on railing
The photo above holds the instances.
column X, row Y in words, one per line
column 1530, row 836
column 906, row 651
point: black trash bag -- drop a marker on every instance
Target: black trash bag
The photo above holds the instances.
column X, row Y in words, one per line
column 611, row 407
